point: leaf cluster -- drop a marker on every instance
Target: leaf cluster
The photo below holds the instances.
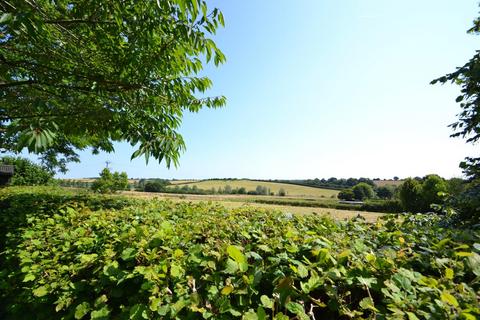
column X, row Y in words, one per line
column 69, row 256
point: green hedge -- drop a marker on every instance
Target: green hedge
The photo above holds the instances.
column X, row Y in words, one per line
column 73, row 256
column 384, row 206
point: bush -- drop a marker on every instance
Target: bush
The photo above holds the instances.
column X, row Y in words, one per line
column 282, row 192
column 417, row 195
column 346, row 195
column 27, row 173
column 154, row 186
column 386, row 192
column 64, row 258
column 110, row 183
column 410, row 194
column 363, row 191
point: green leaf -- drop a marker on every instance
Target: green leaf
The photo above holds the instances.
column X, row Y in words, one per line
column 227, row 290
column 236, row 254
column 138, row 312
column 295, row 308
column 448, row 298
column 261, row 314
column 81, row 310
column 449, row 273
column 411, row 316
column 176, row 271
column 128, row 254
column 29, row 277
column 40, row 291
column 266, row 302
column 368, row 304
column 100, row 314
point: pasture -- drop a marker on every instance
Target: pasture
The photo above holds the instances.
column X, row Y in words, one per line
column 290, row 189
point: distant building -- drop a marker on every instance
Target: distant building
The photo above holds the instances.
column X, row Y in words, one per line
column 6, row 172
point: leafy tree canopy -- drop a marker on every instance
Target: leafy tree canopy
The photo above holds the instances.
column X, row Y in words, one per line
column 468, row 124
column 76, row 74
column 110, row 182
column 27, row 173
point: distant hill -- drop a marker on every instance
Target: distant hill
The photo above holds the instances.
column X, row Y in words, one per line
column 250, row 185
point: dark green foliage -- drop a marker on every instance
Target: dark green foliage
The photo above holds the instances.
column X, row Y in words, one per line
column 64, row 257
column 385, row 206
column 157, row 185
column 282, row 192
column 386, row 192
column 78, row 74
column 410, row 194
column 432, row 189
column 110, row 182
column 346, row 194
column 468, row 127
column 418, row 195
column 455, row 186
column 27, row 173
column 363, row 191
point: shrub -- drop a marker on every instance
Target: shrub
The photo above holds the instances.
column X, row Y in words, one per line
column 363, row 191
column 62, row 257
column 386, row 192
column 154, row 186
column 110, row 183
column 410, row 194
column 27, row 173
column 282, row 192
column 346, row 195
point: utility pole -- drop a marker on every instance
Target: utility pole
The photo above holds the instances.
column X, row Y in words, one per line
column 107, row 163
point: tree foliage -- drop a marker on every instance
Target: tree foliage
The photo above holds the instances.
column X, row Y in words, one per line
column 110, row 182
column 346, row 194
column 27, row 173
column 386, row 192
column 80, row 74
column 410, row 194
column 419, row 195
column 363, row 191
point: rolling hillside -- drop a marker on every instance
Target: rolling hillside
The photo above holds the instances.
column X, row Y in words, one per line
column 291, row 190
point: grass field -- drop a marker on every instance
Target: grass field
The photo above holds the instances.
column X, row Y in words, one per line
column 290, row 189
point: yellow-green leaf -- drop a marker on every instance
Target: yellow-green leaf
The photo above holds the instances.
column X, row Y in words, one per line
column 448, row 298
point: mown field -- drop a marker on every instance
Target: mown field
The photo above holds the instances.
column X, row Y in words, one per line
column 73, row 255
column 290, row 189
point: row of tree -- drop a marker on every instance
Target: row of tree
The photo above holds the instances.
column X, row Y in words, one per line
column 415, row 194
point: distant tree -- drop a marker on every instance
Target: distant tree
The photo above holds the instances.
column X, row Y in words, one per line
column 242, row 190
column 410, row 194
column 227, row 189
column 386, row 192
column 396, row 178
column 363, row 191
column 155, row 186
column 346, row 194
column 261, row 190
column 455, row 186
column 27, row 173
column 432, row 186
column 110, row 182
column 282, row 192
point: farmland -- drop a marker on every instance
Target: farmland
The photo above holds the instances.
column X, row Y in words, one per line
column 245, row 201
column 290, row 189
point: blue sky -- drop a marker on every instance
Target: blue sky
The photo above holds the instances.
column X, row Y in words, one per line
column 323, row 88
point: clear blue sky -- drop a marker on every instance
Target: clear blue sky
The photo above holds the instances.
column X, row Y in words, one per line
column 325, row 88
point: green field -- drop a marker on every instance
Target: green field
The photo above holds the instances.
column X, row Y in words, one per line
column 291, row 189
